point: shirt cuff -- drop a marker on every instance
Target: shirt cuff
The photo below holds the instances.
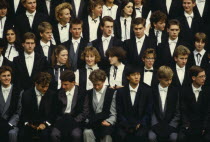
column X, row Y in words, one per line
column 26, row 123
column 10, row 124
column 48, row 124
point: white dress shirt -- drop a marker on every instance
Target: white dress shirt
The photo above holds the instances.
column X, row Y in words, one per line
column 158, row 34
column 2, row 23
column 99, row 93
column 11, row 52
column 180, row 73
column 93, row 28
column 172, row 45
column 39, row 96
column 106, row 41
column 30, row 17
column 16, row 3
column 163, row 94
column 45, row 47
column 48, row 6
column 133, row 92
column 76, row 44
column 189, row 18
column 139, row 43
column 125, row 31
column 69, row 95
column 138, row 11
column 116, row 80
column 110, row 11
column 198, row 59
column 168, row 5
column 77, row 4
column 63, row 32
column 196, row 91
column 1, row 60
column 29, row 59
column 200, row 5
column 5, row 92
column 148, row 76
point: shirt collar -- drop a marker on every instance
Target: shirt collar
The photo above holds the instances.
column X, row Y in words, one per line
column 172, row 41
column 90, row 19
column 95, row 67
column 162, row 89
column 189, row 15
column 140, row 39
column 76, row 40
column 44, row 44
column 102, row 90
column 4, row 18
column 59, row 25
column 29, row 55
column 148, row 69
column 127, row 19
column 32, row 14
column 134, row 89
column 106, row 38
column 9, row 45
column 1, row 58
column 37, row 92
column 71, row 92
column 202, row 52
column 6, row 89
column 178, row 68
column 120, row 67
column 196, row 89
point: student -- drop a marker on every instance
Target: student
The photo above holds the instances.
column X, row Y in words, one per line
column 102, row 110
column 72, row 110
column 38, row 110
column 10, row 106
column 28, row 63
column 45, row 46
column 110, row 9
column 61, row 30
column 166, row 115
column 133, row 109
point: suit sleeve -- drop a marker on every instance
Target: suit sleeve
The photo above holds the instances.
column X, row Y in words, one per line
column 175, row 121
column 113, row 114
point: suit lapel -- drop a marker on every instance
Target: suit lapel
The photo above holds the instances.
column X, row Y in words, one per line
column 74, row 100
column 94, row 100
column 73, row 8
column 80, row 8
column 62, row 97
column 8, row 101
column 36, row 59
column 101, row 48
column 2, row 102
column 24, row 67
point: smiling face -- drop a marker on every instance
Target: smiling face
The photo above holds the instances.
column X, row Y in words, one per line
column 188, row 6
column 5, row 79
column 65, row 16
column 90, row 59
column 149, row 61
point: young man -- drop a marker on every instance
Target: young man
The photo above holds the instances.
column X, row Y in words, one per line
column 166, row 115
column 10, row 106
column 28, row 64
column 72, row 110
column 136, row 46
column 106, row 41
column 75, row 45
column 134, row 108
column 38, row 110
column 194, row 108
column 102, row 110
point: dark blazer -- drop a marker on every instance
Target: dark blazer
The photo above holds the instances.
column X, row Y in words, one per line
column 154, row 77
column 56, row 34
column 204, row 62
column 7, row 62
column 20, row 9
column 9, row 23
column 21, row 76
column 154, row 38
column 82, row 9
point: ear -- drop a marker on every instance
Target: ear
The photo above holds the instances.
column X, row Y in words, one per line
column 101, row 28
column 167, row 29
column 193, row 78
column 127, row 77
column 40, row 34
column 143, row 59
column 175, row 58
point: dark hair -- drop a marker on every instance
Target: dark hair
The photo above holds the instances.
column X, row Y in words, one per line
column 5, row 68
column 181, row 50
column 106, row 18
column 138, row 21
column 132, row 69
column 67, row 75
column 93, row 4
column 149, row 51
column 193, row 1
column 3, row 4
column 76, row 21
column 173, row 22
column 119, row 52
column 97, row 75
column 195, row 70
column 157, row 16
column 42, row 78
column 123, row 4
column 200, row 37
column 29, row 35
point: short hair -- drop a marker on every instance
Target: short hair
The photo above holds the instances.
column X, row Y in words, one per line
column 181, row 50
column 60, row 8
column 97, row 75
column 105, row 19
column 132, row 69
column 29, row 35
column 195, row 70
column 157, row 16
column 76, row 21
column 149, row 51
column 200, row 37
column 91, row 50
column 193, row 1
column 67, row 75
column 5, row 68
column 43, row 78
column 93, row 4
column 42, row 27
column 3, row 4
column 138, row 21
column 165, row 72
column 173, row 22
column 119, row 52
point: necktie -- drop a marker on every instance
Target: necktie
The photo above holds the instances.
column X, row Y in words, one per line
column 62, row 68
column 198, row 55
column 148, row 70
column 163, row 89
column 63, row 27
column 115, row 72
column 9, row 52
column 125, row 29
column 91, row 69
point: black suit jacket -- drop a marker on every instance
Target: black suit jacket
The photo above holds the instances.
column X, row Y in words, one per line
column 204, row 62
column 20, row 9
column 154, row 38
column 7, row 62
column 56, row 34
column 9, row 23
column 154, row 77
column 82, row 13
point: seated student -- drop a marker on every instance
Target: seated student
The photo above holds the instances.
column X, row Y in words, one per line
column 199, row 56
column 72, row 110
column 107, row 41
column 194, row 108
column 136, row 46
column 12, row 44
column 149, row 72
column 110, row 9
column 45, row 46
column 166, row 115
column 38, row 110
column 157, row 31
column 117, row 71
column 181, row 74
column 10, row 106
column 3, row 60
column 133, row 108
column 102, row 110
column 60, row 63
column 75, row 45
column 28, row 63
column 91, row 30
column 61, row 30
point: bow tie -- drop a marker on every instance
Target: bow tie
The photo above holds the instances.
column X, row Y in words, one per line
column 63, row 27
column 60, row 67
column 148, row 70
column 104, row 38
column 109, row 9
column 28, row 56
column 190, row 17
column 172, row 42
column 132, row 90
column 138, row 9
column 90, row 68
column 29, row 15
column 44, row 45
column 197, row 89
column 199, row 1
column 138, row 40
column 5, row 89
column 75, row 41
column 163, row 89
column 94, row 20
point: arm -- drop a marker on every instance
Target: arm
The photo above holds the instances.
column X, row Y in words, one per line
column 112, row 118
column 175, row 121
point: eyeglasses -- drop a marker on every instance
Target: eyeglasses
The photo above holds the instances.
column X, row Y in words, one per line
column 150, row 58
column 202, row 76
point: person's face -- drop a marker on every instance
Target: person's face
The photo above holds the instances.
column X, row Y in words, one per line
column 107, row 29
column 134, row 78
column 165, row 82
column 160, row 25
column 29, row 45
column 188, row 6
column 128, row 9
column 90, row 59
column 42, row 88
column 200, row 78
column 181, row 60
column 139, row 30
column 5, row 78
column 67, row 86
column 113, row 60
column 97, row 11
column 30, row 5
column 199, row 45
column 65, row 15
column 76, row 30
column 62, row 57
column 10, row 36
column 3, row 12
column 137, row 2
column 46, row 35
column 173, row 31
column 149, row 61
column 98, row 85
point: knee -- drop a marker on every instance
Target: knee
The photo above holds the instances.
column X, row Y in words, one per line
column 173, row 137
column 13, row 133
column 76, row 133
column 87, row 132
column 55, row 133
column 152, row 137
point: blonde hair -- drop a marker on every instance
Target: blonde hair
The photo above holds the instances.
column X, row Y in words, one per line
column 91, row 50
column 165, row 72
column 60, row 8
column 181, row 50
